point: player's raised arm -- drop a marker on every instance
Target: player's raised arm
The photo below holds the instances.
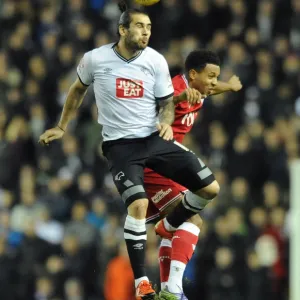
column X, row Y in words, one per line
column 74, row 99
column 233, row 85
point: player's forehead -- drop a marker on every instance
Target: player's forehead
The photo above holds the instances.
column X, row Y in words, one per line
column 211, row 68
column 140, row 18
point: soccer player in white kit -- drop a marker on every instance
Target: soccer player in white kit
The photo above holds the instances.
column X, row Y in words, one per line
column 134, row 96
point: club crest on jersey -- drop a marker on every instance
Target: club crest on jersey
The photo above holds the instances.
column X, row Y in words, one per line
column 129, row 88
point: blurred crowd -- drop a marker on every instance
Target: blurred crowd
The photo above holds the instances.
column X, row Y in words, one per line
column 61, row 218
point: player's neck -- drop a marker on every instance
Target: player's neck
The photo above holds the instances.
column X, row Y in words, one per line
column 124, row 51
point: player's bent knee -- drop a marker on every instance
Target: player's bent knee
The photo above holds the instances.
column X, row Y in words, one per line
column 196, row 220
column 209, row 192
column 138, row 208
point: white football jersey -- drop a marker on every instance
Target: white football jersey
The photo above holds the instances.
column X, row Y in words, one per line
column 126, row 91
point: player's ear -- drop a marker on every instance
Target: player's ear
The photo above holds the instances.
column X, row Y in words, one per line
column 122, row 30
column 192, row 74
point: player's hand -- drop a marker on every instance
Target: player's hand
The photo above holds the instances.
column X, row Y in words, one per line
column 50, row 135
column 193, row 96
column 165, row 131
column 235, row 83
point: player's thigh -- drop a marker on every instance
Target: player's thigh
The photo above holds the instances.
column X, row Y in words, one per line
column 126, row 164
column 178, row 163
column 163, row 194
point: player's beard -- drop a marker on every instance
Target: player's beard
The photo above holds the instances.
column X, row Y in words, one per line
column 133, row 45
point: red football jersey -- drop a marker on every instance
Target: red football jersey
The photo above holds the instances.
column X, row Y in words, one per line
column 185, row 114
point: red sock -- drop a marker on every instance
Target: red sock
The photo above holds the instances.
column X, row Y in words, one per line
column 184, row 242
column 165, row 252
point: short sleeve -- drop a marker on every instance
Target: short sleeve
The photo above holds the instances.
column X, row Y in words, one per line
column 85, row 70
column 163, row 83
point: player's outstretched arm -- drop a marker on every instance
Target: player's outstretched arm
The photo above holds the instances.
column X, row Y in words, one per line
column 233, row 85
column 166, row 118
column 74, row 99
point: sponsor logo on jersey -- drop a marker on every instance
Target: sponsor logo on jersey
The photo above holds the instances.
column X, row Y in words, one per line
column 160, row 195
column 129, row 88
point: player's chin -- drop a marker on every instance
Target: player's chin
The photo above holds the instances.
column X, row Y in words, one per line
column 143, row 45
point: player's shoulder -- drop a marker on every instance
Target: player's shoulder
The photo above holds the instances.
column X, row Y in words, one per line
column 179, row 82
column 102, row 49
column 153, row 54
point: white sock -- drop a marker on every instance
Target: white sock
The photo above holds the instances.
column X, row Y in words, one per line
column 139, row 280
column 168, row 226
column 176, row 275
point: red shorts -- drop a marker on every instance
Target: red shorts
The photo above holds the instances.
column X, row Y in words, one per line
column 161, row 193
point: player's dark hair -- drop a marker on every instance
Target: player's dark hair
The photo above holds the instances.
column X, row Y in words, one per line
column 198, row 59
column 126, row 16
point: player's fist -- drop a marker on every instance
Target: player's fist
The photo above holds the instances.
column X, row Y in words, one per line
column 235, row 83
column 193, row 96
column 165, row 131
column 51, row 135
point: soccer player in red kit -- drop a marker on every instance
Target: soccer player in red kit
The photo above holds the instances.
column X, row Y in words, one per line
column 181, row 228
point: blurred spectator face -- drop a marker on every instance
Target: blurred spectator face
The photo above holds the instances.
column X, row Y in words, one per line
column 3, row 64
column 271, row 194
column 48, row 16
column 44, row 163
column 101, row 38
column 219, row 40
column 221, row 177
column 222, row 227
column 70, row 145
column 265, row 81
column 86, row 182
column 32, row 88
column 237, row 53
column 4, row 219
column 271, row 139
column 253, row 261
column 277, row 217
column 235, row 219
column 241, row 143
column 44, row 287
column 79, row 212
column 199, row 7
column 218, row 140
column 188, row 44
column 224, row 258
column 37, row 67
column 2, row 246
column 54, row 264
column 66, row 54
column 73, row 289
column 239, row 188
column 252, row 37
column 70, row 245
column 27, row 178
column 264, row 60
column 55, row 186
column 37, row 111
column 266, row 8
column 281, row 46
column 99, row 206
column 122, row 250
column 84, row 31
column 292, row 149
column 258, row 217
column 238, row 8
column 291, row 65
column 15, row 42
column 50, row 41
column 6, row 199
column 75, row 5
column 14, row 96
column 24, row 29
column 3, row 117
column 220, row 3
column 255, row 129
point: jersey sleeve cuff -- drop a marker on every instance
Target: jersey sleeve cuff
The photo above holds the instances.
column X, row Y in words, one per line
column 81, row 80
column 165, row 97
